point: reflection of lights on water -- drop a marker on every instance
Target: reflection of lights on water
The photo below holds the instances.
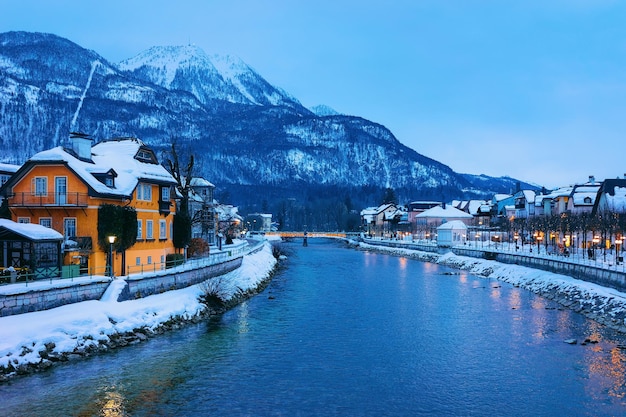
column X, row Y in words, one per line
column 403, row 263
column 607, row 373
column 242, row 318
column 515, row 300
column 113, row 405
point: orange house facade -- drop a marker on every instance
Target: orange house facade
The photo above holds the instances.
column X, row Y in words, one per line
column 63, row 189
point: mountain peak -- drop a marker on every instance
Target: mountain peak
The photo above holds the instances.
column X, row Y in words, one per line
column 324, row 110
column 166, row 61
column 217, row 77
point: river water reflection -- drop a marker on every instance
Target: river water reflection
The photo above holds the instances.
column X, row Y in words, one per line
column 344, row 332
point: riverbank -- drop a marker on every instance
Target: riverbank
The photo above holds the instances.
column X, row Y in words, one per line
column 35, row 341
column 604, row 305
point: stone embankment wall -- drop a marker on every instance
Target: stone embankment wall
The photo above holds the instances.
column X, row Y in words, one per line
column 142, row 286
column 27, row 301
column 589, row 273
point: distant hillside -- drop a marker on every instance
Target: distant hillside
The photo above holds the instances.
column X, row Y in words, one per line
column 253, row 140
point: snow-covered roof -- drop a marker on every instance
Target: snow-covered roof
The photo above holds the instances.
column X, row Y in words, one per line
column 559, row 192
column 475, row 205
column 616, row 201
column 500, row 197
column 529, row 195
column 585, row 191
column 454, row 224
column 118, row 155
column 448, row 212
column 370, row 211
column 8, row 167
column 200, row 182
column 226, row 212
column 31, row 231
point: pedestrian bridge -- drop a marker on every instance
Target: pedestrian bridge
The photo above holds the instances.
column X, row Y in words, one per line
column 309, row 234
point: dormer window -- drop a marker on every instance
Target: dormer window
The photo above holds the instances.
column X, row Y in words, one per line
column 146, row 155
column 106, row 178
column 587, row 200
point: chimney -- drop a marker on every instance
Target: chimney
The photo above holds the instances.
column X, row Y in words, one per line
column 81, row 145
column 592, row 179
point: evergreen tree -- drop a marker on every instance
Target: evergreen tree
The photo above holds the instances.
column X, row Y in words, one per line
column 5, row 213
column 118, row 221
column 389, row 196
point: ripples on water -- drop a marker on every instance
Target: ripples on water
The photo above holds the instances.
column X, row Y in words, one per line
column 343, row 332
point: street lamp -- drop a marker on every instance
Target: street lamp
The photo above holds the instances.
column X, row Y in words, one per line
column 111, row 242
column 618, row 242
column 539, row 239
column 595, row 240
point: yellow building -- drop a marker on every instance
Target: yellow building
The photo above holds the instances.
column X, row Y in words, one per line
column 63, row 189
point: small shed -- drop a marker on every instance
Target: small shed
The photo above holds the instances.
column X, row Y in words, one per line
column 30, row 248
column 451, row 233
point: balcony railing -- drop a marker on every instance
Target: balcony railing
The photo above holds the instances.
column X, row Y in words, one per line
column 164, row 207
column 48, row 200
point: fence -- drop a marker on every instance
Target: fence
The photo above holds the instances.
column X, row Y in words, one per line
column 606, row 275
column 24, row 275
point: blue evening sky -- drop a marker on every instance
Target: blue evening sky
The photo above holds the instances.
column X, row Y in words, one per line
column 533, row 89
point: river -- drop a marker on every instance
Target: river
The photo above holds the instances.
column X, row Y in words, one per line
column 351, row 333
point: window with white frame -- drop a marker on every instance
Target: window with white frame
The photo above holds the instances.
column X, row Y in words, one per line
column 69, row 227
column 144, row 192
column 138, row 261
column 162, row 229
column 149, row 260
column 40, row 186
column 23, row 219
column 139, row 229
column 165, row 193
column 46, row 222
column 149, row 229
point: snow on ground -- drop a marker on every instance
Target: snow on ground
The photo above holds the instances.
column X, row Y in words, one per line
column 80, row 325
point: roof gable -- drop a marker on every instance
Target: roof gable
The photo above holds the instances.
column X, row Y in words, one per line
column 448, row 212
column 117, row 158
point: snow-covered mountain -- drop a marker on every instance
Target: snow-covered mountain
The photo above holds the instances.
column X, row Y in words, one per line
column 217, row 77
column 246, row 134
column 324, row 110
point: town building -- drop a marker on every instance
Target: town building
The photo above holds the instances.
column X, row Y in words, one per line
column 202, row 210
column 259, row 222
column 64, row 188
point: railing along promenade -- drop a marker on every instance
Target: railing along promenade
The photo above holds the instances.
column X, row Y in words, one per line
column 603, row 268
column 72, row 272
column 19, row 298
column 308, row 234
